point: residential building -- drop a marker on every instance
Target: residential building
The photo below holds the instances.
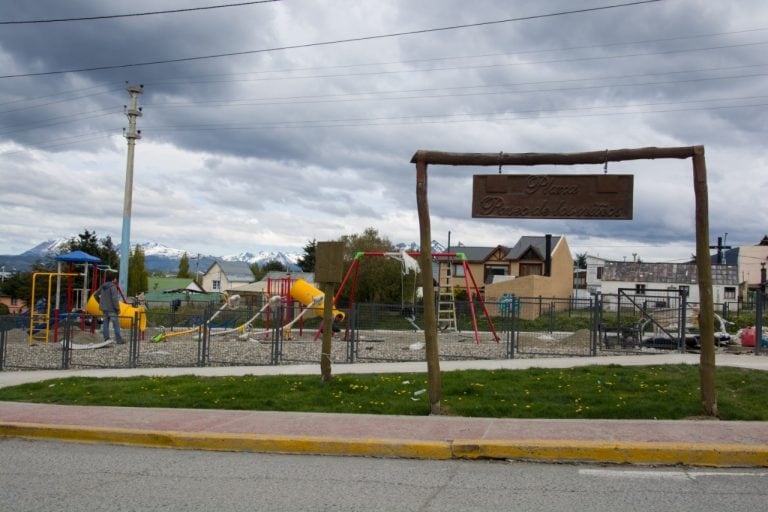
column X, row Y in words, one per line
column 657, row 279
column 178, row 290
column 588, row 281
column 15, row 305
column 750, row 261
column 222, row 276
column 535, row 266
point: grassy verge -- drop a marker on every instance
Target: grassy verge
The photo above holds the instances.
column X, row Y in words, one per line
column 606, row 392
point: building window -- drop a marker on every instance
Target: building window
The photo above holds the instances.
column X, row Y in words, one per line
column 216, row 285
column 531, row 269
column 639, row 289
column 14, row 301
column 458, row 270
column 599, row 272
column 494, row 270
column 730, row 292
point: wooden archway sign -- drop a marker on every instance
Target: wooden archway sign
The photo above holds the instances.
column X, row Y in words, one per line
column 423, row 158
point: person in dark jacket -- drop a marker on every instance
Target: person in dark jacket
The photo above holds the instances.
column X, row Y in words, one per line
column 109, row 302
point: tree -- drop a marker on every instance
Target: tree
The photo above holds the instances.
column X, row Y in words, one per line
column 137, row 273
column 581, row 260
column 259, row 271
column 183, row 267
column 19, row 285
column 379, row 278
column 307, row 262
column 101, row 248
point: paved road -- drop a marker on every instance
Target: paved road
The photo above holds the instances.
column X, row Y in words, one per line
column 46, row 476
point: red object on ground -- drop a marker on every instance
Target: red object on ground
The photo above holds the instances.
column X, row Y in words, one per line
column 748, row 337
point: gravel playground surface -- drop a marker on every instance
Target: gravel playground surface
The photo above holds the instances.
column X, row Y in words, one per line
column 257, row 348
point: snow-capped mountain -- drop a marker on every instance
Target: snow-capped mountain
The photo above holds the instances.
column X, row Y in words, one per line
column 46, row 249
column 159, row 257
column 289, row 260
column 160, row 250
column 416, row 247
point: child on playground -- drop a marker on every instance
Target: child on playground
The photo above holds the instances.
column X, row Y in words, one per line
column 109, row 302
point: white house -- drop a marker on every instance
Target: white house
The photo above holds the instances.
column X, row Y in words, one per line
column 658, row 279
column 588, row 281
column 222, row 276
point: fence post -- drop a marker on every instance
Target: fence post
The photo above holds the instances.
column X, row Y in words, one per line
column 595, row 308
column 66, row 344
column 277, row 335
column 759, row 308
column 133, row 342
column 681, row 322
column 352, row 333
column 3, row 338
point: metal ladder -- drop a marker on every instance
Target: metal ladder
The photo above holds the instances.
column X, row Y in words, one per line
column 446, row 309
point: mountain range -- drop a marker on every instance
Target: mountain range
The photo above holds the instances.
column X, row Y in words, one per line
column 161, row 258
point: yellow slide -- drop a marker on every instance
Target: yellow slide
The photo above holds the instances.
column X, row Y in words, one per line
column 306, row 294
column 127, row 313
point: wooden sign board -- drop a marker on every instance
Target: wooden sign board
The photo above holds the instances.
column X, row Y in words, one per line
column 329, row 262
column 552, row 196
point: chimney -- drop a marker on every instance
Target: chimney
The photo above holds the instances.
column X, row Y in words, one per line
column 548, row 255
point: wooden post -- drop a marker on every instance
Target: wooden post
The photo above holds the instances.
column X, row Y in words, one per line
column 430, row 320
column 325, row 350
column 422, row 158
column 704, row 271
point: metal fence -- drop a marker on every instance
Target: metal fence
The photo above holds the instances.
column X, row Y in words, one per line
column 253, row 333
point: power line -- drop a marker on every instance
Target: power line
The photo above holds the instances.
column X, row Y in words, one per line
column 381, row 95
column 112, row 16
column 334, row 42
column 482, row 66
column 478, row 117
column 458, row 57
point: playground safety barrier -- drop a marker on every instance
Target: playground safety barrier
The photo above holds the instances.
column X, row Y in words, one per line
column 531, row 327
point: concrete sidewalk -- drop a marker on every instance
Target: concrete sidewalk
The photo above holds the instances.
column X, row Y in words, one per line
column 690, row 442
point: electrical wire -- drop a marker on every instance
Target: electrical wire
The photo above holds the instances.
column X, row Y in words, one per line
column 333, row 42
column 429, row 93
column 113, row 16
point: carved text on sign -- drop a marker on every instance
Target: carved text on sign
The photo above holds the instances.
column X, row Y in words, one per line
column 553, row 196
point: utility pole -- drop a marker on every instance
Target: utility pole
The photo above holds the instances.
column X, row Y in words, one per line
column 132, row 111
column 720, row 247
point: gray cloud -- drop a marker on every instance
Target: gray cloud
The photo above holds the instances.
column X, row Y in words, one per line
column 275, row 148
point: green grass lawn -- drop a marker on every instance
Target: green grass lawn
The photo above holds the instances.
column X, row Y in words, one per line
column 606, row 392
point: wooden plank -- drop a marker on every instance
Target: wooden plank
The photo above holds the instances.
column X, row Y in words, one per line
column 590, row 157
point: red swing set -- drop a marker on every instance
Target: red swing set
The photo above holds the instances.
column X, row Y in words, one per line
column 471, row 285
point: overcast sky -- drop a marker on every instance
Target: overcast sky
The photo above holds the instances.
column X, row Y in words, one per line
column 307, row 133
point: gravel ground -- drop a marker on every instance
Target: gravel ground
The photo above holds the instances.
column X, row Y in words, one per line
column 257, row 348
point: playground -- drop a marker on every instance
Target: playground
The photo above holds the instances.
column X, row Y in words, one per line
column 282, row 325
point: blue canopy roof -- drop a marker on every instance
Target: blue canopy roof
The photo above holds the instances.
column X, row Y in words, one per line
column 78, row 257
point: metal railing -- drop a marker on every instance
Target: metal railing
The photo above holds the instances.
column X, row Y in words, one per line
column 525, row 327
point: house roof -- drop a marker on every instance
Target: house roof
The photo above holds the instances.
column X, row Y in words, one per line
column 537, row 243
column 473, row 253
column 666, row 273
column 164, row 284
column 236, row 271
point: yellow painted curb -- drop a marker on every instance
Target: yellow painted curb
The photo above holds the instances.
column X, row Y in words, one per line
column 393, row 448
column 691, row 454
